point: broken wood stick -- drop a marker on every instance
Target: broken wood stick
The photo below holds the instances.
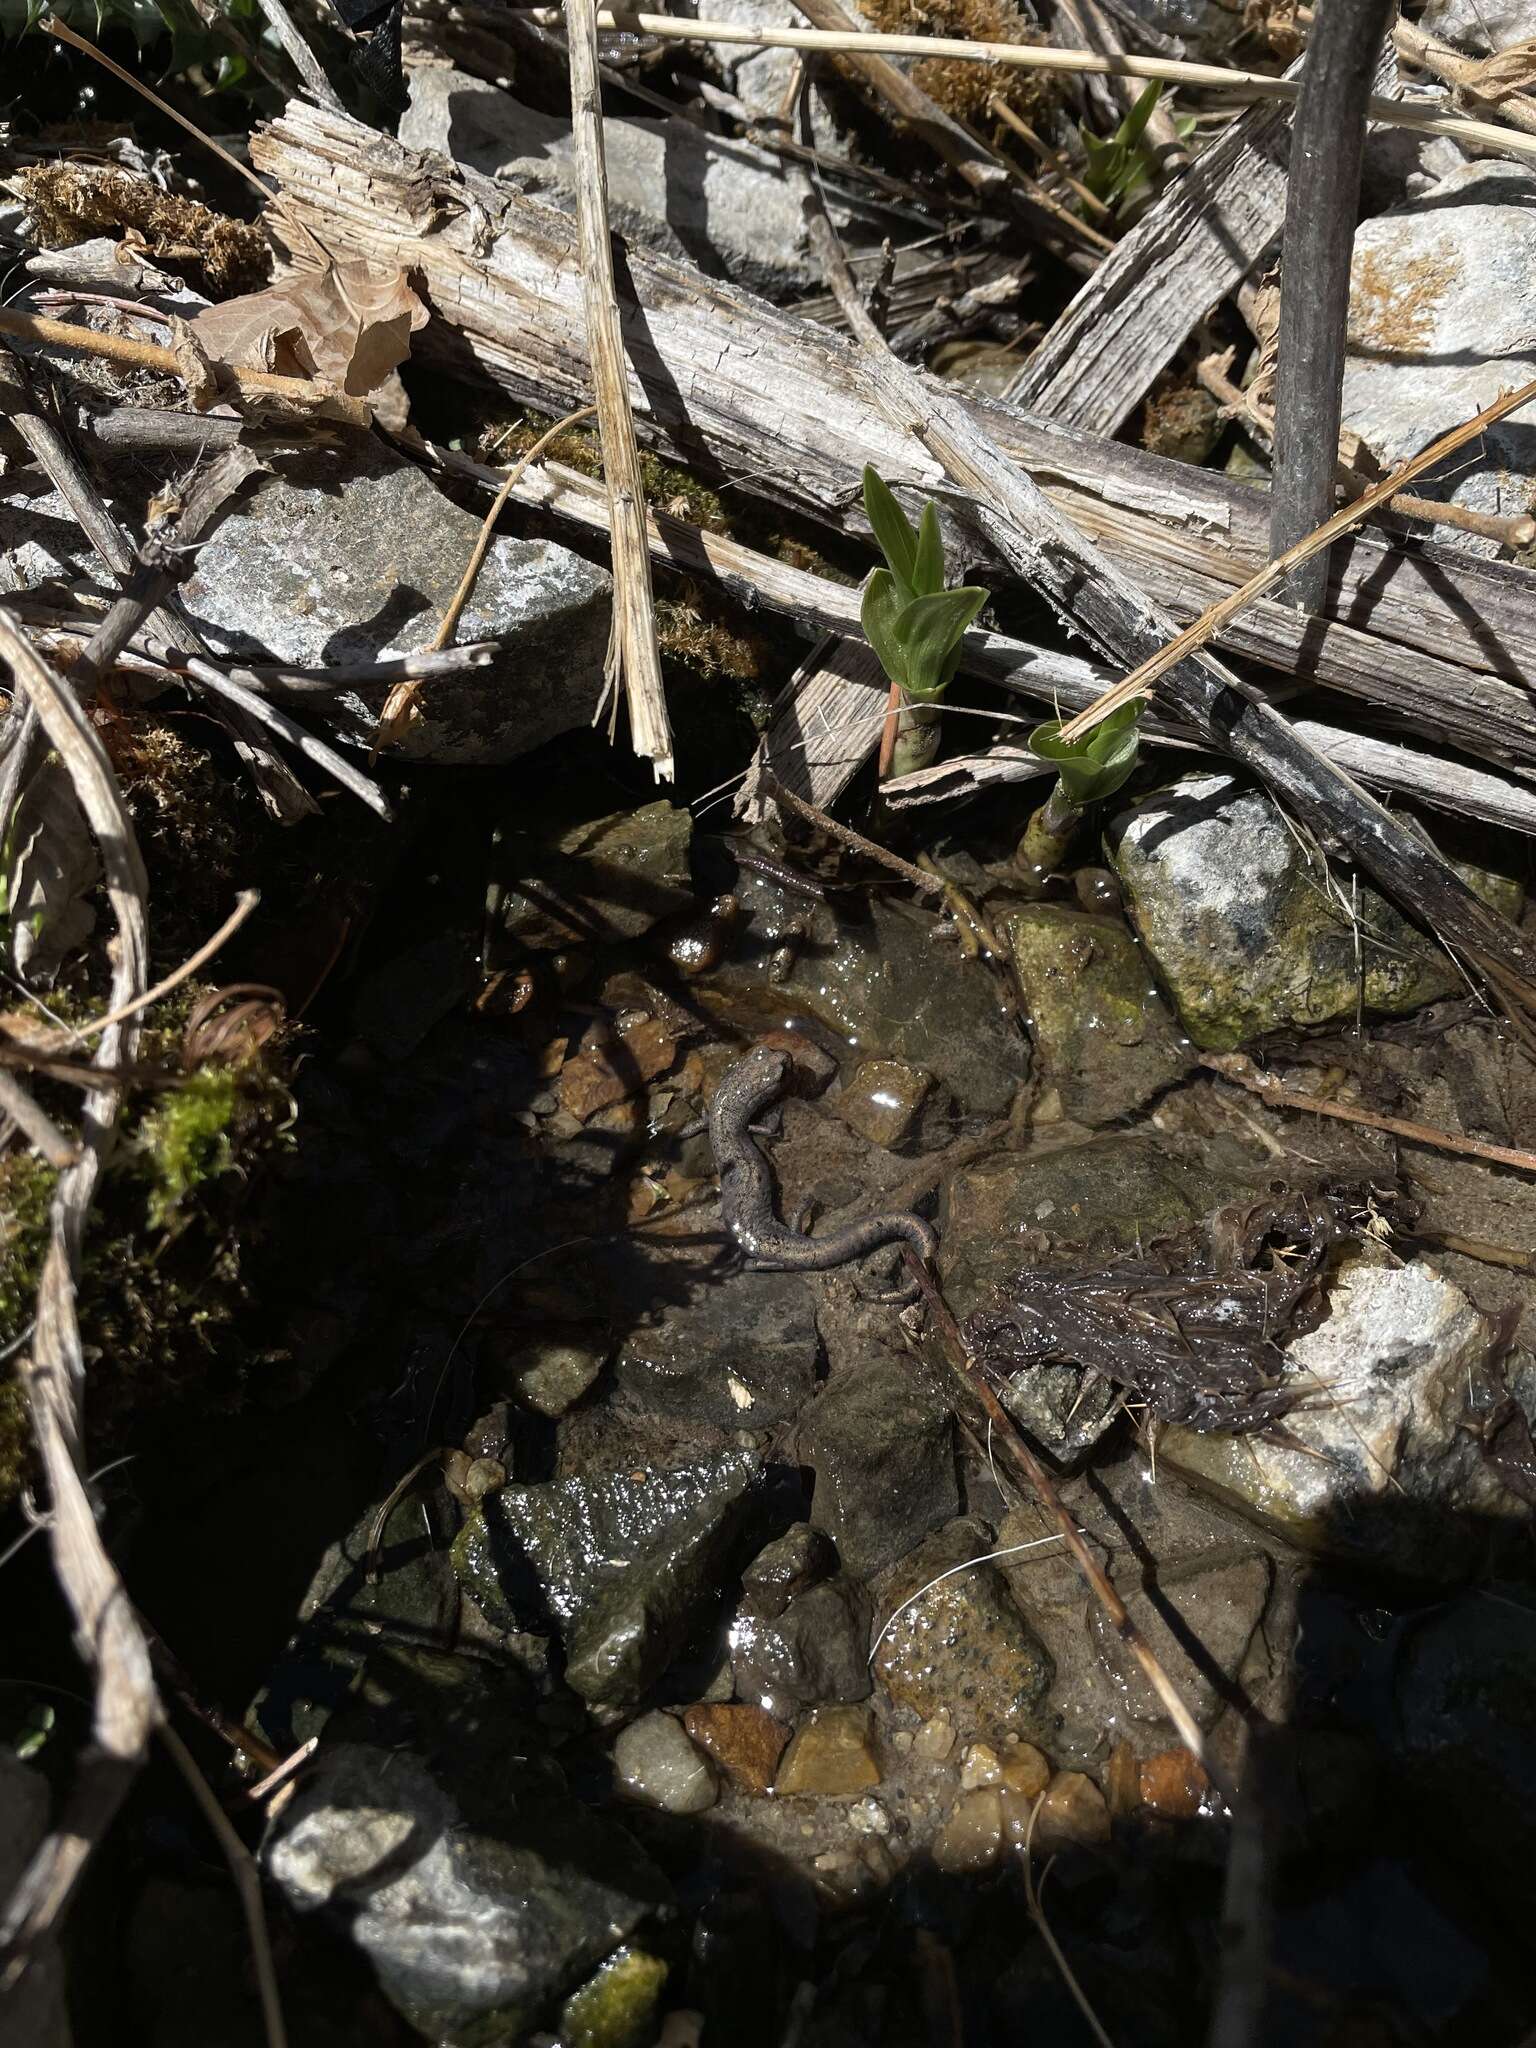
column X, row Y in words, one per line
column 633, row 667
column 1195, row 636
column 1322, row 199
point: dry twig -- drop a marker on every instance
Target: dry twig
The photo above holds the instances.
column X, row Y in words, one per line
column 634, row 659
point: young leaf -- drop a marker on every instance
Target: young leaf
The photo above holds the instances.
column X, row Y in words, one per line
column 928, row 563
column 1092, row 768
column 1133, row 127
column 930, row 629
column 893, row 529
column 881, row 607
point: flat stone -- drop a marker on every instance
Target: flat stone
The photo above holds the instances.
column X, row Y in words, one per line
column 1246, row 928
column 656, row 1764
column 562, row 883
column 625, row 1562
column 883, row 1099
column 350, row 555
column 816, row 1650
column 739, row 1352
column 549, row 1371
column 1101, row 1030
column 1442, row 320
column 616, row 1071
column 1387, row 1472
column 963, row 1643
column 881, row 1447
column 832, row 1756
column 447, row 1851
column 1071, row 1815
column 746, row 1742
column 671, row 185
column 1219, row 1603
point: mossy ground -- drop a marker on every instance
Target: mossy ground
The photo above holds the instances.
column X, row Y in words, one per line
column 961, row 88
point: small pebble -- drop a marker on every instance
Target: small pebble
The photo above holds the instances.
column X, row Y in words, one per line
column 842, row 1877
column 832, row 1755
column 657, row 1765
column 1097, row 889
column 1072, row 1815
column 972, row 1838
column 1174, row 1785
column 1122, row 1782
column 869, row 1817
column 1025, row 1771
column 746, row 1742
column 980, row 1765
column 936, row 1738
column 882, row 1100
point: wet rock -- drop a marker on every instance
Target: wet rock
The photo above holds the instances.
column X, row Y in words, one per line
column 816, row 1649
column 832, row 1756
column 718, row 203
column 1441, row 321
column 616, row 2007
column 1246, row 928
column 351, row 557
column 1018, row 1767
column 1101, row 1031
column 883, row 1099
column 549, row 1371
column 616, row 1070
column 613, row 877
column 32, row 2011
column 1200, row 1620
column 442, row 1842
column 624, row 1562
column 934, row 1741
column 656, row 1763
column 746, row 1742
column 1173, row 1785
column 881, row 1446
column 739, row 1353
column 971, row 1840
column 1071, row 1815
column 1465, row 1702
column 876, row 980
column 1388, row 1471
column 963, row 1643
column 789, row 1565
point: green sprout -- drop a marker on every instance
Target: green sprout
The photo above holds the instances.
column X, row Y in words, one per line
column 912, row 622
column 1087, row 771
column 1120, row 169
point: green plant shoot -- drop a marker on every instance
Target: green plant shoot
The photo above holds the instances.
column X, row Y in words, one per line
column 914, row 624
column 1120, row 169
column 1087, row 771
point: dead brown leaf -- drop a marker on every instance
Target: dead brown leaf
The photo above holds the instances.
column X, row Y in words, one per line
column 349, row 326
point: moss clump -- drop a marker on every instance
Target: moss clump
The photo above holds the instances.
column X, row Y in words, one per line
column 961, row 88
column 64, row 198
column 614, row 2008
column 26, row 1187
column 693, row 632
column 187, row 1139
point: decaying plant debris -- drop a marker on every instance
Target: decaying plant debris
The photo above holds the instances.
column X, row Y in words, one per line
column 388, row 299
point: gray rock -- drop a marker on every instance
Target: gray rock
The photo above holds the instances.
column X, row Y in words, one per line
column 957, row 1640
column 815, row 1651
column 788, row 1566
column 1465, row 1700
column 1200, row 1620
column 1442, row 320
column 625, row 1563
column 1101, row 1031
column 881, row 1446
column 350, row 556
column 615, row 876
column 549, row 1371
column 656, row 1764
column 1480, row 26
column 721, row 204
column 739, row 1353
column 478, row 1890
column 1246, row 927
column 1387, row 1470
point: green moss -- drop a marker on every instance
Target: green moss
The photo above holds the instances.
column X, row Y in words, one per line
column 187, row 1139
column 613, row 2008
